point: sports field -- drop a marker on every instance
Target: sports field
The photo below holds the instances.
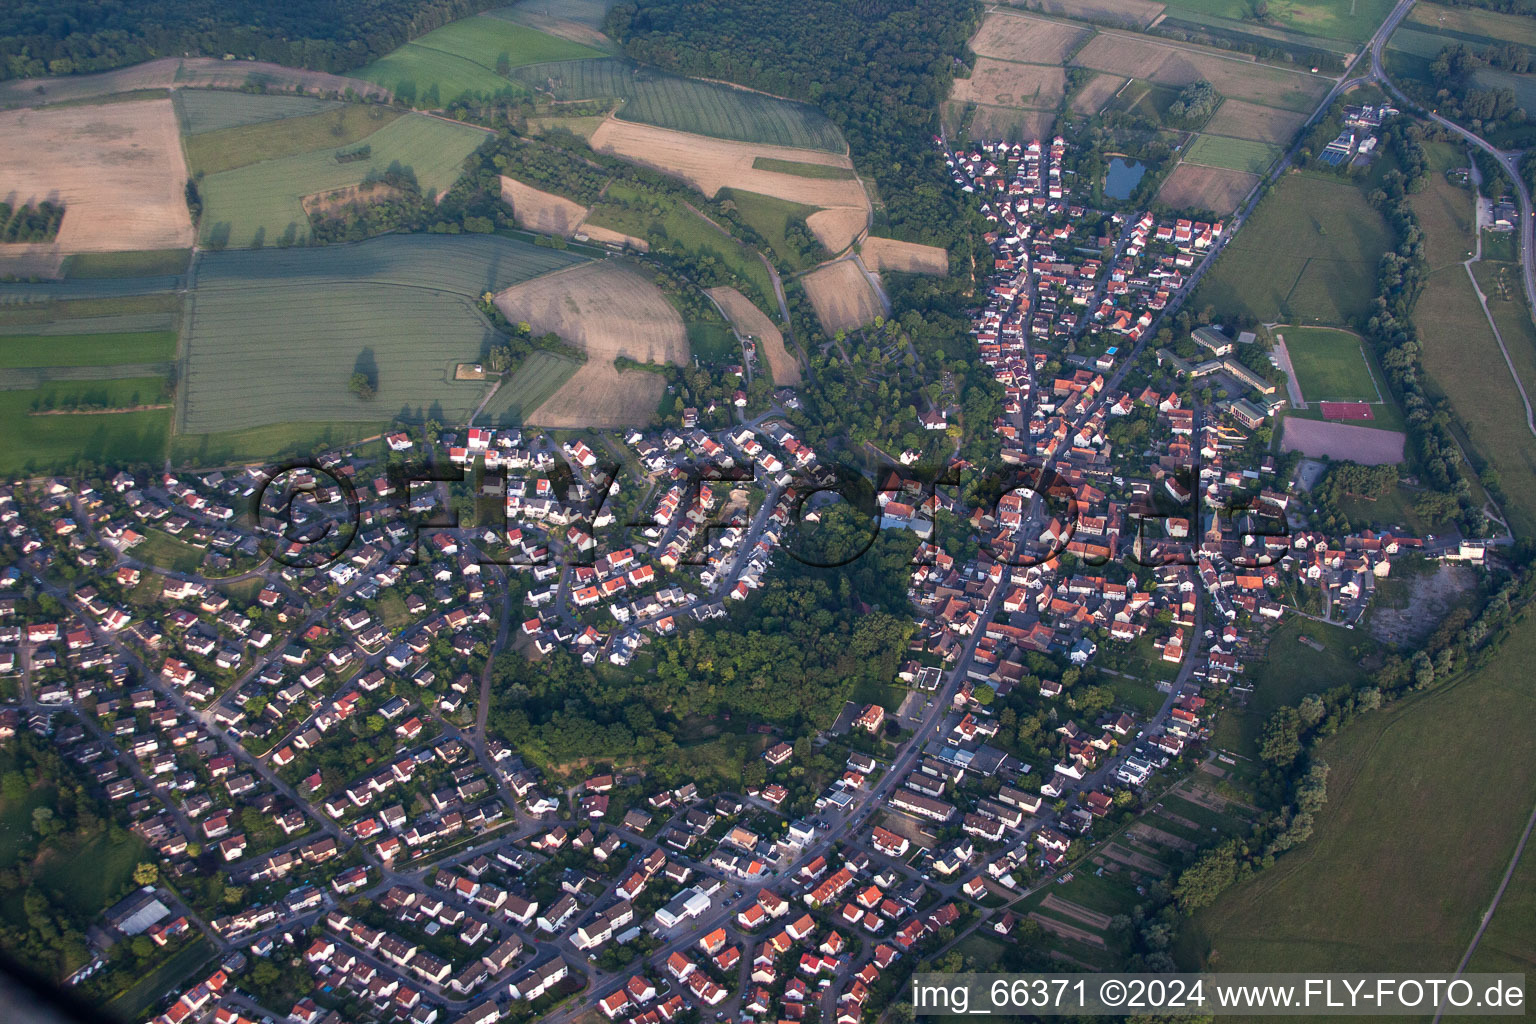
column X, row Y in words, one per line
column 1232, row 154
column 1308, row 255
column 260, row 203
column 276, row 335
column 1330, row 365
column 1396, row 883
column 686, row 104
column 471, row 56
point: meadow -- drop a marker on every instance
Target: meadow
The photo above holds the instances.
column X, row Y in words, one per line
column 628, row 209
column 227, row 148
column 803, row 170
column 1330, row 365
column 276, row 335
column 1308, row 255
column 38, row 350
column 1460, row 355
column 1418, row 828
column 260, row 203
column 1232, row 154
column 470, row 56
column 37, row 443
column 686, row 104
column 1351, row 22
column 771, row 218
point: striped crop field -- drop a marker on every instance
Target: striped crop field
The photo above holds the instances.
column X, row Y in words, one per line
column 261, row 203
column 686, row 104
column 211, row 110
column 470, row 56
column 276, row 335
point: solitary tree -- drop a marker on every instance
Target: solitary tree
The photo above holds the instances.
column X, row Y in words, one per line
column 361, row 386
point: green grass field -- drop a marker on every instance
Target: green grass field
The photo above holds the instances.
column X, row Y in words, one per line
column 712, row 342
column 583, row 12
column 18, row 350
column 630, row 210
column 229, row 148
column 771, row 218
column 1460, row 355
column 38, row 443
column 147, row 263
column 686, row 104
column 1290, row 671
column 160, row 548
column 258, row 203
column 1469, row 25
column 276, row 334
column 1330, row 365
column 177, row 969
column 1418, row 829
column 540, row 376
column 1308, row 255
column 1233, row 154
column 802, row 170
column 1354, row 22
column 210, row 110
column 256, row 443
column 470, row 56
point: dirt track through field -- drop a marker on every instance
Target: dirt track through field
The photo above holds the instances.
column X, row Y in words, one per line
column 712, row 164
column 1091, row 918
column 118, row 169
column 782, row 367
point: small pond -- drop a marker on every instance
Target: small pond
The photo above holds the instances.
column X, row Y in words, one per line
column 1123, row 177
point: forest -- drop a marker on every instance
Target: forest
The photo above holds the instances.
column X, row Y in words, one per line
column 76, row 36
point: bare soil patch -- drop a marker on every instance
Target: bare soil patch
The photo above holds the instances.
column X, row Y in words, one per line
column 1101, row 88
column 544, row 212
column 1067, row 931
column 906, row 257
column 712, row 164
column 1206, row 188
column 1137, row 13
column 1016, row 36
column 1364, row 445
column 607, row 310
column 117, row 168
column 1431, row 596
column 1004, row 84
column 842, row 296
column 782, row 367
column 1091, row 918
column 1243, row 120
column 352, row 195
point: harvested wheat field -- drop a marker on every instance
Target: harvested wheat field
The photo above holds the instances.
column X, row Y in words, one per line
column 1252, row 121
column 118, row 170
column 838, row 227
column 607, row 310
column 1137, row 13
column 539, row 211
column 612, row 237
column 748, row 319
column 1012, row 125
column 905, row 257
column 1179, row 65
column 1011, row 36
column 999, row 83
column 842, row 296
column 712, row 164
column 1101, row 88
column 1194, row 187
